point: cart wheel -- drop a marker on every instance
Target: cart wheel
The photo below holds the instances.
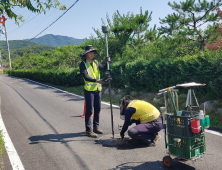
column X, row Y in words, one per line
column 168, row 161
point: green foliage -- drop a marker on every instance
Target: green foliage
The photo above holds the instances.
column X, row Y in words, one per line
column 2, row 149
column 160, row 73
column 36, row 49
column 64, row 77
column 68, row 56
column 7, row 7
column 189, row 19
column 125, row 27
column 16, row 44
column 125, row 30
column 151, row 75
column 60, row 57
column 140, row 58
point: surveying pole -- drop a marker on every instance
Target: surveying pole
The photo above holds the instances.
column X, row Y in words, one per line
column 105, row 30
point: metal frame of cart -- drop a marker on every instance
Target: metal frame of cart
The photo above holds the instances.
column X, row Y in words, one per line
column 180, row 141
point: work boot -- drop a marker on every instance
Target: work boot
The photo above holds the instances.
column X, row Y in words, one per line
column 91, row 134
column 97, row 130
column 156, row 139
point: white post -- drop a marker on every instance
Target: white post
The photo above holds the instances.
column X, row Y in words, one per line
column 9, row 58
column 1, row 61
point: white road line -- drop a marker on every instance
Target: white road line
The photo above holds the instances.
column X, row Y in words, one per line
column 12, row 153
column 66, row 92
column 206, row 130
column 213, row 132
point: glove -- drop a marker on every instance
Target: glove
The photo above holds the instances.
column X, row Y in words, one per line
column 122, row 135
column 132, row 121
column 100, row 81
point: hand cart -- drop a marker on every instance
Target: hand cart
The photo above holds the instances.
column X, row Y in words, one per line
column 182, row 139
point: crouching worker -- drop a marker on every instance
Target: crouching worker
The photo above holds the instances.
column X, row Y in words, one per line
column 147, row 118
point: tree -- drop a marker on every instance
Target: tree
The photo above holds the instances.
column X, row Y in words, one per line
column 189, row 20
column 125, row 30
column 68, row 56
column 7, row 6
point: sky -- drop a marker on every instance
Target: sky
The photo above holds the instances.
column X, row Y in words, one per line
column 81, row 18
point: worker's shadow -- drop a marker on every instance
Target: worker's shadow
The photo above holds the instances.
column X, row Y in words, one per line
column 62, row 138
column 153, row 165
column 123, row 144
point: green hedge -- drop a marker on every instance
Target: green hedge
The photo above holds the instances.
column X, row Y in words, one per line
column 151, row 75
column 161, row 73
column 63, row 77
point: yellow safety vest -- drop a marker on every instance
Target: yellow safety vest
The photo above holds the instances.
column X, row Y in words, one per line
column 94, row 73
column 145, row 112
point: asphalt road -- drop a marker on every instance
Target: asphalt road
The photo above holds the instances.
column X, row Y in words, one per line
column 48, row 133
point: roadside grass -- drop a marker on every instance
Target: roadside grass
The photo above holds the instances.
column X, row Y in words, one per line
column 2, row 149
column 215, row 119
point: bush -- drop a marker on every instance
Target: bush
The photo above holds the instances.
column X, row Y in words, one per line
column 150, row 75
column 63, row 77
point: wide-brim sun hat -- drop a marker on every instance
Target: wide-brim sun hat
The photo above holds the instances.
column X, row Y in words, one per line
column 89, row 48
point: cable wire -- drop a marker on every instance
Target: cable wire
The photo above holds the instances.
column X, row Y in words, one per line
column 43, row 21
column 29, row 21
column 54, row 21
column 23, row 24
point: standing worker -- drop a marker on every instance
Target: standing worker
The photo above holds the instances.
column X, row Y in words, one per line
column 90, row 70
column 147, row 118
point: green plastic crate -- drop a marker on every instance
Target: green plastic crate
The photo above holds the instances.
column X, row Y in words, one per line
column 180, row 126
column 187, row 147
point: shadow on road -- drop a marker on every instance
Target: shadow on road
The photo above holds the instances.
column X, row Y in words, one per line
column 155, row 165
column 75, row 99
column 62, row 138
column 126, row 144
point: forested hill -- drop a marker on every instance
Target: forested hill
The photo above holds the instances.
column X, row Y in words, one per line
column 36, row 49
column 49, row 40
column 56, row 40
column 16, row 44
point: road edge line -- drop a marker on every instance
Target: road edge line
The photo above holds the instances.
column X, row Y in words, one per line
column 66, row 91
column 213, row 132
column 14, row 158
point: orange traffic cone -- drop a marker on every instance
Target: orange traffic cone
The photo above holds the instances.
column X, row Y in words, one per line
column 84, row 111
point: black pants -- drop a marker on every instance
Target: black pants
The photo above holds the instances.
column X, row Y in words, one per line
column 93, row 104
column 146, row 130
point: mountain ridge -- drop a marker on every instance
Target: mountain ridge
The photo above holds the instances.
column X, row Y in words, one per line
column 56, row 40
column 48, row 40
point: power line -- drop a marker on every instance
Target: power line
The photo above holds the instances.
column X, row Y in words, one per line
column 54, row 21
column 44, row 20
column 23, row 24
column 30, row 20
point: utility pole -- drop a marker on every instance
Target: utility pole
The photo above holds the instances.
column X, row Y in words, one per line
column 1, row 60
column 2, row 21
column 9, row 58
